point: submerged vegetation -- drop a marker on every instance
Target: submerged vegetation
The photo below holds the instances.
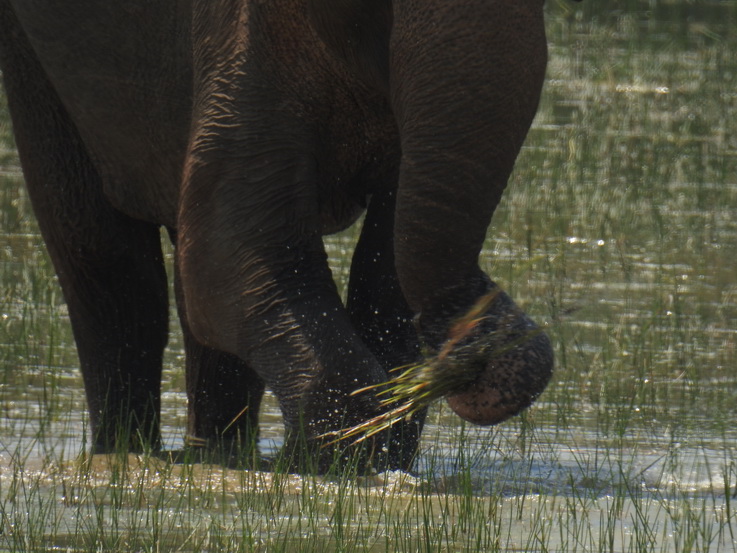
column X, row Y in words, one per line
column 619, row 229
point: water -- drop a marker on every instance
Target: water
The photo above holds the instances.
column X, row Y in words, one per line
column 619, row 229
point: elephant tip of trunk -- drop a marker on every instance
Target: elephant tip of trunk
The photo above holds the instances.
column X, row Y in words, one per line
column 509, row 382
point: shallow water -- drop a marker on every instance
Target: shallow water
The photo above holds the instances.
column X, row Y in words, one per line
column 619, row 229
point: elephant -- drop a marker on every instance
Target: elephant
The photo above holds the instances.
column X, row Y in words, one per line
column 245, row 131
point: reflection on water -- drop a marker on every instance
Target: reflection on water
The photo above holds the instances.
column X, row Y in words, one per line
column 619, row 230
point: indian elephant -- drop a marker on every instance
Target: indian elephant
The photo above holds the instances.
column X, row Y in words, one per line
column 248, row 129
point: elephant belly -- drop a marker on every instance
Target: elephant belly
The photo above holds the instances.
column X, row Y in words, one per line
column 122, row 71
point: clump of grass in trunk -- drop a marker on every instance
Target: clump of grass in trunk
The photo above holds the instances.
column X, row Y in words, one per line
column 416, row 386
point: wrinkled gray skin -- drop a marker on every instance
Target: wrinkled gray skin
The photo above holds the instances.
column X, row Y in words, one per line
column 249, row 129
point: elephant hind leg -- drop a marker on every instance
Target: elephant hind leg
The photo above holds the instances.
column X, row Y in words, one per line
column 109, row 265
column 224, row 397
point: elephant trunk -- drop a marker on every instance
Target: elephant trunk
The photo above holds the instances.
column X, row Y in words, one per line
column 464, row 92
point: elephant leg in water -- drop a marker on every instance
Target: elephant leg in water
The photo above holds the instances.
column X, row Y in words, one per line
column 223, row 397
column 378, row 309
column 274, row 279
column 109, row 265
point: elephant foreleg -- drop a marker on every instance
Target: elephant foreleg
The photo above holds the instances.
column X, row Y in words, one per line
column 254, row 271
column 257, row 285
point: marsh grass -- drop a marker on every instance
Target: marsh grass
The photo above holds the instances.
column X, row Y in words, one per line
column 510, row 489
column 618, row 228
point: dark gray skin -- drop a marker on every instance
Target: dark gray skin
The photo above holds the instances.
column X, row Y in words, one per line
column 249, row 129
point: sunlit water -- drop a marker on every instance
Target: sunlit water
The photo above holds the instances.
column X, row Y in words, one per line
column 619, row 230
